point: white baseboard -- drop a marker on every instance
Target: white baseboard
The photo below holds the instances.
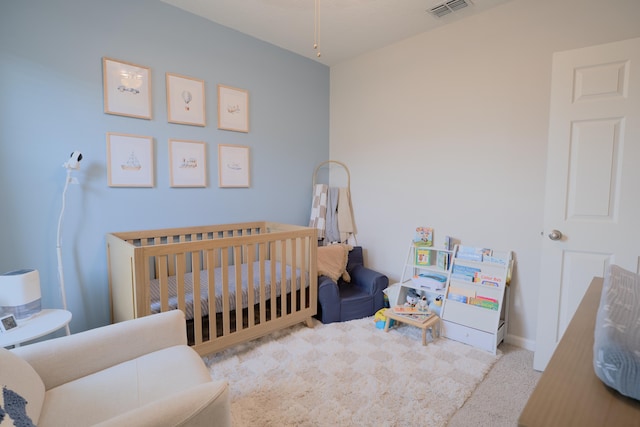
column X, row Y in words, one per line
column 520, row 342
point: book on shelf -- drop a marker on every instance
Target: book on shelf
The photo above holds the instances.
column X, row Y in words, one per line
column 472, row 253
column 442, row 260
column 423, row 237
column 482, row 255
column 470, row 256
column 423, row 256
column 463, row 272
column 460, row 294
column 501, row 258
column 467, row 296
column 490, row 303
column 487, row 279
column 457, row 297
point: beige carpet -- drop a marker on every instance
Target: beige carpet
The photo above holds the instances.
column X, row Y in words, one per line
column 349, row 374
column 503, row 394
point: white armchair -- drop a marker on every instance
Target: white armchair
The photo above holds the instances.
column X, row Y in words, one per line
column 134, row 373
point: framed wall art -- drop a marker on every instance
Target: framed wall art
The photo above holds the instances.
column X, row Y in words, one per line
column 185, row 100
column 233, row 166
column 129, row 160
column 127, row 89
column 187, row 163
column 233, row 109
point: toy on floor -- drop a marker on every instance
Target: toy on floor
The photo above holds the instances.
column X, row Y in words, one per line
column 380, row 319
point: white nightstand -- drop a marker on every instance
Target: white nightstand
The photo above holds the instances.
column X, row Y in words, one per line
column 40, row 324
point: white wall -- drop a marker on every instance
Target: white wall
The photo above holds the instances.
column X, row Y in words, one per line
column 449, row 129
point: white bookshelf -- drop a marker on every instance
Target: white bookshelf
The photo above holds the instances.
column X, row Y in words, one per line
column 424, row 268
column 476, row 299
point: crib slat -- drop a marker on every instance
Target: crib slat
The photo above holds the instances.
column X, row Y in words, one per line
column 294, row 263
column 303, row 272
column 180, row 287
column 163, row 278
column 237, row 257
column 197, row 309
column 274, row 302
column 226, row 309
column 251, row 300
column 283, row 277
column 263, row 294
column 211, row 257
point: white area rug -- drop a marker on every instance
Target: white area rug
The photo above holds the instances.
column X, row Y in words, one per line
column 349, row 374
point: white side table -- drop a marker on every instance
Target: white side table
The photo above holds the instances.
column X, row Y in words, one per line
column 45, row 322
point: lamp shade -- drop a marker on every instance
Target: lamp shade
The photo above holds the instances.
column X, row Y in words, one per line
column 20, row 293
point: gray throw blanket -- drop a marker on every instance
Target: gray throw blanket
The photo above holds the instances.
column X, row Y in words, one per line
column 331, row 232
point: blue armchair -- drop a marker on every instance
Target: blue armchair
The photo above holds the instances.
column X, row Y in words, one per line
column 362, row 297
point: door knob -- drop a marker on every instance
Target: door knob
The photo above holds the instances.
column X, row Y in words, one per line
column 555, row 235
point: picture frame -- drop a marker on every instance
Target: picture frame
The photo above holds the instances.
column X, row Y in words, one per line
column 185, row 100
column 233, row 109
column 129, row 160
column 126, row 88
column 8, row 323
column 233, row 166
column 187, row 163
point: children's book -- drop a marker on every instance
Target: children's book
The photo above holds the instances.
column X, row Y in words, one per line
column 472, row 253
column 412, row 313
column 404, row 309
column 484, row 302
column 423, row 256
column 442, row 260
column 487, row 279
column 420, row 317
column 424, row 236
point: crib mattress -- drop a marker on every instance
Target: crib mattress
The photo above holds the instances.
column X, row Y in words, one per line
column 204, row 291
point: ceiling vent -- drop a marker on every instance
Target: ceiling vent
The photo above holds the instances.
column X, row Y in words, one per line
column 448, row 7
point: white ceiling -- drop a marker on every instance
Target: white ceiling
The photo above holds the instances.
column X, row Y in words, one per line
column 348, row 28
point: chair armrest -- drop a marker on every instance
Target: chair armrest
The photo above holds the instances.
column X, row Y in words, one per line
column 372, row 282
column 328, row 300
column 67, row 358
column 369, row 281
column 203, row 405
column 327, row 288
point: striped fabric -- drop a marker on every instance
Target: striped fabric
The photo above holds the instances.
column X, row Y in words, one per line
column 319, row 209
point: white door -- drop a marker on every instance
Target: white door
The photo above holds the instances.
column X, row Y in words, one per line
column 592, row 201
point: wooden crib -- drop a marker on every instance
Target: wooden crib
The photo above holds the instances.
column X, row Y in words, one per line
column 263, row 276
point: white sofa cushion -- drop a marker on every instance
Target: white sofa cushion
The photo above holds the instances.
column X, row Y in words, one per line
column 18, row 381
column 124, row 387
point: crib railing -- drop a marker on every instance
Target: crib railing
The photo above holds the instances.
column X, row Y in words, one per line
column 159, row 254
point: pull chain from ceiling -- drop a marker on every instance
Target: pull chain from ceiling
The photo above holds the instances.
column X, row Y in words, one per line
column 316, row 28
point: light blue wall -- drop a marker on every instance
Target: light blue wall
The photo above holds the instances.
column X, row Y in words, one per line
column 51, row 103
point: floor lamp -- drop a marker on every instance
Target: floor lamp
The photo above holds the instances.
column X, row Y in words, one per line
column 72, row 164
